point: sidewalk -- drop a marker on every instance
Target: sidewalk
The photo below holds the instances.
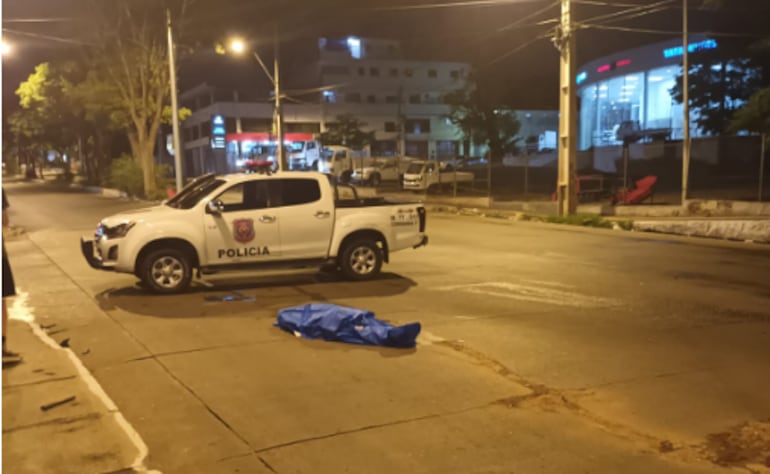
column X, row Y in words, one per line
column 727, row 220
column 56, row 418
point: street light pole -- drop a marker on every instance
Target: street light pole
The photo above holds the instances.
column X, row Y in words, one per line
column 565, row 42
column 282, row 164
column 174, row 105
column 685, row 105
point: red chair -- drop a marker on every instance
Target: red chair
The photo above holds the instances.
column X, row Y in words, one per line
column 643, row 189
column 170, row 192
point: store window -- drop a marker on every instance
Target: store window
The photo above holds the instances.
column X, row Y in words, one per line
column 660, row 104
column 588, row 98
column 619, row 100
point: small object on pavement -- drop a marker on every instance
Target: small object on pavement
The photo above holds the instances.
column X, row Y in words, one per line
column 59, row 403
column 339, row 323
column 46, row 327
column 666, row 446
column 65, row 342
column 86, row 352
column 234, row 296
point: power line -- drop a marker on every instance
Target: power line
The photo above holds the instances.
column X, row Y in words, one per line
column 516, row 49
column 606, row 4
column 58, row 39
column 629, row 11
column 666, row 32
column 527, row 17
column 468, row 3
column 39, row 20
column 626, row 18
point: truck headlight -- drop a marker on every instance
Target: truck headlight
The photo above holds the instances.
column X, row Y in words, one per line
column 117, row 231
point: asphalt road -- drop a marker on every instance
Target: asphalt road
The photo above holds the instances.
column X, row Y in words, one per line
column 544, row 349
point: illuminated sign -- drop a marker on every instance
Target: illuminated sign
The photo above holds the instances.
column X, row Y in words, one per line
column 603, row 68
column 581, row 77
column 624, row 62
column 693, row 47
column 218, row 132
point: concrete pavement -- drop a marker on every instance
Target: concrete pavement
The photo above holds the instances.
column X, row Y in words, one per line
column 550, row 350
column 56, row 418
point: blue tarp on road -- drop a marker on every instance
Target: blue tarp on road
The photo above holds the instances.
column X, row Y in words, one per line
column 339, row 323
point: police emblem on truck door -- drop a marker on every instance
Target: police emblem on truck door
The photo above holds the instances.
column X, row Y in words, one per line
column 243, row 230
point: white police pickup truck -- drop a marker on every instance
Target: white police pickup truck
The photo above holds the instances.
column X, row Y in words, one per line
column 255, row 221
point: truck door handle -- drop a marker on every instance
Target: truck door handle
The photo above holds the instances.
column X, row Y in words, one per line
column 322, row 214
column 267, row 219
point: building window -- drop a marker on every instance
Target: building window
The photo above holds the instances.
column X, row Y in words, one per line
column 329, row 96
column 390, row 126
column 408, row 72
column 454, row 74
column 414, row 99
column 361, row 71
column 432, row 73
column 353, row 97
column 391, row 99
column 417, row 126
column 374, row 71
column 393, row 72
column 371, row 99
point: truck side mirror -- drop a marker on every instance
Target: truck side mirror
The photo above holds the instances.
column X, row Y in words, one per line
column 215, row 207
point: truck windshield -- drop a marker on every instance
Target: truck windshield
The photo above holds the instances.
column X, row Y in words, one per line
column 414, row 168
column 194, row 192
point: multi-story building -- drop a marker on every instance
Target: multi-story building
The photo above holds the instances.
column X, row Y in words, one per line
column 399, row 99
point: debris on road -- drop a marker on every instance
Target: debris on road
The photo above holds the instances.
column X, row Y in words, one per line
column 332, row 322
column 233, row 296
column 666, row 446
column 59, row 403
column 65, row 343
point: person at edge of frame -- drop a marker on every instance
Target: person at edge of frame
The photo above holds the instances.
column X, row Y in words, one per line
column 9, row 288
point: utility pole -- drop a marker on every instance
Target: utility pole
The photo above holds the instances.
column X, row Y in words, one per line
column 282, row 165
column 685, row 105
column 174, row 105
column 565, row 43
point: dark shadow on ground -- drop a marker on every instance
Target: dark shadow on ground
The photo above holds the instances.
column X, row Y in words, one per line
column 250, row 296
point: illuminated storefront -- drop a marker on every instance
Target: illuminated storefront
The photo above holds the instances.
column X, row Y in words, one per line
column 634, row 86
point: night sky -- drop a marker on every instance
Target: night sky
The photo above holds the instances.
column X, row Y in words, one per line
column 527, row 78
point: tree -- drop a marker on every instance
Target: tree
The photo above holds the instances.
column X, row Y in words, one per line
column 480, row 121
column 346, row 130
column 48, row 119
column 132, row 64
column 720, row 81
column 755, row 115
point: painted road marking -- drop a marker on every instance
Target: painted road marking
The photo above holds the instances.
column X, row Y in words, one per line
column 542, row 292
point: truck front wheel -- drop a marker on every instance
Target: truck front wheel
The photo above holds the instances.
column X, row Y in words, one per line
column 166, row 271
column 361, row 260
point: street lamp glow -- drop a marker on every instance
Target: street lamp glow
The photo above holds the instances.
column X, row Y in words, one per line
column 6, row 48
column 237, row 46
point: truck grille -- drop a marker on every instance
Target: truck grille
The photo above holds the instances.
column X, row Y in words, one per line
column 423, row 218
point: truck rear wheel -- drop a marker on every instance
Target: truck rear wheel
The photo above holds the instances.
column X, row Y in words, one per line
column 166, row 271
column 361, row 260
